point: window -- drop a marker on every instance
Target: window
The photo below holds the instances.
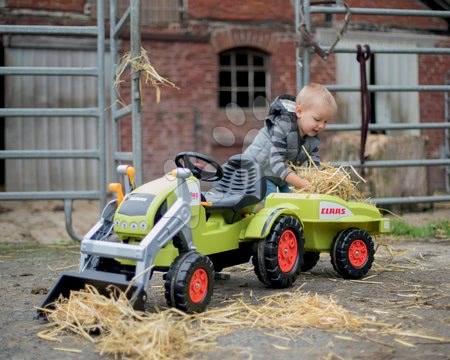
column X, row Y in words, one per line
column 243, row 78
column 160, row 11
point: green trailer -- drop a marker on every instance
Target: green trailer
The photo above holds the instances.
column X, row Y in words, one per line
column 175, row 226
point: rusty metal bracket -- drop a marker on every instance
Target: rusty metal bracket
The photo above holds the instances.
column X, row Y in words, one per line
column 307, row 39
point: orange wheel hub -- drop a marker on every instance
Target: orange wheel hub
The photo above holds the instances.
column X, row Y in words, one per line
column 198, row 286
column 357, row 253
column 287, row 251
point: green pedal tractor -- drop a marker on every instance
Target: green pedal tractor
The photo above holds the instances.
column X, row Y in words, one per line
column 171, row 225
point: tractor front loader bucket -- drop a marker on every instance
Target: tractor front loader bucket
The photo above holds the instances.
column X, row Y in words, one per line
column 104, row 282
column 95, row 246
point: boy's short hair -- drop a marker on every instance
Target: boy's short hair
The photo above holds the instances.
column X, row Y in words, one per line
column 315, row 94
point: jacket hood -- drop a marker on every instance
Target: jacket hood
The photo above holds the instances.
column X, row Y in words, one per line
column 283, row 104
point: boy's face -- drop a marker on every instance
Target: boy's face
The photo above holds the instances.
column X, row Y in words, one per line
column 313, row 120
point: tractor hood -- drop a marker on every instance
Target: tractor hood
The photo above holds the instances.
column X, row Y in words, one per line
column 143, row 207
column 136, row 204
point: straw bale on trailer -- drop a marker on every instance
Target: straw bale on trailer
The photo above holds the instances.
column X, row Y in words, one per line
column 330, row 180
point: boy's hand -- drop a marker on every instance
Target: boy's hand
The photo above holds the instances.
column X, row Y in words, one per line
column 297, row 181
column 304, row 183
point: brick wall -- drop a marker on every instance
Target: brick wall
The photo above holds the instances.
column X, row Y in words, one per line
column 169, row 125
column 187, row 54
column 253, row 11
column 432, row 71
column 51, row 5
column 46, row 12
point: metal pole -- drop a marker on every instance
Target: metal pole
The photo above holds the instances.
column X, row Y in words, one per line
column 446, row 150
column 395, row 51
column 298, row 55
column 306, row 53
column 114, row 105
column 390, row 126
column 48, row 29
column 393, row 163
column 50, row 71
column 384, row 12
column 389, row 88
column 135, row 45
column 411, row 199
column 117, row 112
column 101, row 99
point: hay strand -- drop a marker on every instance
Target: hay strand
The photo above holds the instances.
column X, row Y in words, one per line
column 329, row 180
column 77, row 351
column 142, row 65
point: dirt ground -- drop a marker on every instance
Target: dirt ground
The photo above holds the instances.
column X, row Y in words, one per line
column 408, row 286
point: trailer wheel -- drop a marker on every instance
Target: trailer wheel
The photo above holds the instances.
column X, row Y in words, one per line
column 189, row 282
column 278, row 258
column 310, row 259
column 353, row 253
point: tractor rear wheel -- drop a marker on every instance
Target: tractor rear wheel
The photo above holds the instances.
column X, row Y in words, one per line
column 310, row 259
column 189, row 282
column 353, row 253
column 278, row 257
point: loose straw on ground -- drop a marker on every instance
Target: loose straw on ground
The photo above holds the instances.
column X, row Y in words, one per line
column 172, row 334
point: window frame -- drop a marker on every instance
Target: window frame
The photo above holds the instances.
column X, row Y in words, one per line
column 234, row 88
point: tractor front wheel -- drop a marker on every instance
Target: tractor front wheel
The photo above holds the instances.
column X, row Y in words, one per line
column 353, row 253
column 189, row 282
column 278, row 258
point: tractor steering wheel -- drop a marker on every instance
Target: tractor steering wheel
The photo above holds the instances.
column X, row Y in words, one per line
column 203, row 167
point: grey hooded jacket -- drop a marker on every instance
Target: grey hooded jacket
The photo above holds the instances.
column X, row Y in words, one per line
column 280, row 141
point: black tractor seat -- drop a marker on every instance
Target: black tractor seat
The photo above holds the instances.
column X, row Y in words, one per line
column 242, row 185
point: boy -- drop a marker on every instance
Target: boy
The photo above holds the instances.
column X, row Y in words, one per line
column 292, row 123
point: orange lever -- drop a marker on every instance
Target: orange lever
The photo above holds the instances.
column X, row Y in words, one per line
column 117, row 188
column 130, row 172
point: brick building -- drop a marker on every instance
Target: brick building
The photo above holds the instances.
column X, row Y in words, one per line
column 221, row 52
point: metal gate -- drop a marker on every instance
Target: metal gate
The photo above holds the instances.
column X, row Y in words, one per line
column 304, row 9
column 97, row 112
column 131, row 15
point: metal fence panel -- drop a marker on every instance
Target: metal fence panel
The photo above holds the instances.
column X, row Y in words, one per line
column 52, row 133
column 397, row 85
